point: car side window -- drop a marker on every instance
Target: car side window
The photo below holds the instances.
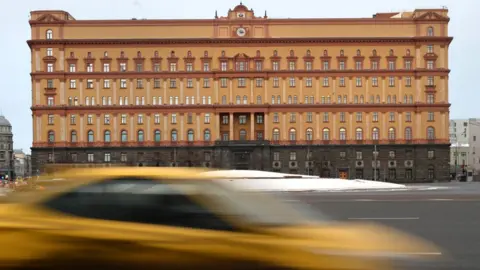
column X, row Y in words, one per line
column 138, row 200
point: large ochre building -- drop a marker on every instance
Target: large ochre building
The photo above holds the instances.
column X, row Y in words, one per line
column 351, row 98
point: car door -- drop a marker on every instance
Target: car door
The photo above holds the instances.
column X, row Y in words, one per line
column 137, row 222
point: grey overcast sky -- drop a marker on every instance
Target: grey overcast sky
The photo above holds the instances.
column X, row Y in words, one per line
column 15, row 91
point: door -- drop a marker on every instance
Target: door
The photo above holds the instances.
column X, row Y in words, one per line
column 343, row 175
column 133, row 223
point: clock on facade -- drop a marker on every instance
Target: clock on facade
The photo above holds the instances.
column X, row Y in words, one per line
column 241, row 32
column 241, row 15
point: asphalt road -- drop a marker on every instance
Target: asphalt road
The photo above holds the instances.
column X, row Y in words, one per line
column 449, row 217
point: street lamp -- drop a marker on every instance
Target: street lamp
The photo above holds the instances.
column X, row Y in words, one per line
column 51, row 140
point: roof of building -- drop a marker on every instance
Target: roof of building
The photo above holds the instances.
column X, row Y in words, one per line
column 4, row 121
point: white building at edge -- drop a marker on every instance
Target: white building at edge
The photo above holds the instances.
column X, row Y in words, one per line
column 465, row 145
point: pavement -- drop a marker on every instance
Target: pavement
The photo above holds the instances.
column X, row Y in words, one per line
column 446, row 214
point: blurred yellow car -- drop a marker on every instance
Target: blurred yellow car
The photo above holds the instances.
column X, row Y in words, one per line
column 174, row 218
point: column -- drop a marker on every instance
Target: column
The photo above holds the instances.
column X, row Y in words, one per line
column 300, row 91
column 38, row 92
column 230, row 90
column 301, row 132
column 80, row 90
column 265, row 92
column 61, row 63
column 215, row 85
column 165, row 97
column 317, row 124
column 367, row 90
column 284, row 90
column 97, row 86
column 400, row 89
column 444, row 125
column 132, row 130
column 231, row 127
column 98, row 132
column 350, row 89
column 62, row 91
column 115, row 127
column 132, row 97
column 333, row 132
column 284, row 126
column 182, row 98
column 166, row 133
column 444, row 89
column 267, row 131
column 384, row 89
column 199, row 131
column 114, row 92
column 82, row 128
column 251, row 92
column 38, row 61
column 351, row 127
column 334, row 98
column 149, row 97
column 182, row 127
column 148, row 131
column 384, row 131
column 198, row 92
column 39, row 127
column 418, row 57
column 418, row 88
column 368, row 132
column 63, row 128
column 216, row 129
column 252, row 125
column 418, row 125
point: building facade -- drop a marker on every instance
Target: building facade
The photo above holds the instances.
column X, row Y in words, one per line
column 22, row 164
column 6, row 149
column 243, row 91
column 465, row 140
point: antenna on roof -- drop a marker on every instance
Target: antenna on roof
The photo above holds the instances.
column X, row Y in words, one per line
column 444, row 7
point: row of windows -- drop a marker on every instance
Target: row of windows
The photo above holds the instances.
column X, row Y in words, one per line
column 242, row 119
column 242, row 82
column 292, row 134
column 207, row 100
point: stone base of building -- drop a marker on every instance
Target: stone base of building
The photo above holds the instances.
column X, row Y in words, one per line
column 395, row 163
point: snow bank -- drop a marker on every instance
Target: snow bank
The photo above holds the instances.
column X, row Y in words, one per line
column 271, row 181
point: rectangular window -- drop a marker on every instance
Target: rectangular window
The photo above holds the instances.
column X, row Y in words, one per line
column 241, row 82
column 325, row 65
column 106, row 84
column 139, row 83
column 223, row 82
column 341, row 82
column 123, row 83
column 358, row 82
column 72, row 68
column 156, row 83
column 50, row 119
column 156, row 119
column 49, row 67
column 174, row 118
column 123, row 67
column 73, row 84
column 276, row 82
column 206, row 83
column 156, row 67
column 374, row 81
column 173, row 83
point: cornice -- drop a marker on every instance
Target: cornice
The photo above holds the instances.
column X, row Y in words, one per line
column 239, row 41
column 217, row 108
column 238, row 74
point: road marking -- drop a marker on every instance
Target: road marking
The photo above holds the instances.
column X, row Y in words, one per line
column 386, row 218
column 440, row 199
column 364, row 200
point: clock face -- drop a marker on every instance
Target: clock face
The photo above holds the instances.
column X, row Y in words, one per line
column 241, row 15
column 241, row 32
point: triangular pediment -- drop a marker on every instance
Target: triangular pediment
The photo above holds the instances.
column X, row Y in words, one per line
column 241, row 56
column 431, row 16
column 48, row 18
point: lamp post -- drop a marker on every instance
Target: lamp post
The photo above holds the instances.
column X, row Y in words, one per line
column 51, row 140
column 375, row 169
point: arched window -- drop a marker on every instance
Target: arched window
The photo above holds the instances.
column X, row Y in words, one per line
column 51, row 136
column 355, row 99
column 276, row 134
column 155, row 54
column 49, row 34
column 106, row 136
column 245, row 100
column 325, row 53
column 259, row 99
column 224, row 100
column 157, row 136
column 391, row 53
column 342, row 134
column 90, row 136
column 292, row 134
column 430, row 32
column 73, row 136
column 190, row 135
column 394, row 99
column 206, row 135
column 410, row 99
column 408, row 133
column 372, row 99
column 359, row 53
column 275, row 53
column 105, row 54
column 295, row 99
column 70, row 101
column 309, row 53
column 359, row 134
column 279, row 100
column 123, row 136
column 375, row 134
column 362, row 99
column 378, row 99
column 405, row 99
column 289, row 100
column 87, row 101
column 430, row 133
column 408, row 52
column 391, row 133
column 309, row 134
column 273, row 99
column 173, row 135
column 238, row 99
column 345, row 99
column 326, row 134
column 243, row 134
column 189, row 54
column 342, row 53
column 374, row 52
column 389, row 99
column 140, row 136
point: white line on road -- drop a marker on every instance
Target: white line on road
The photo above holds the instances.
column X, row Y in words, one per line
column 440, row 199
column 364, row 200
column 386, row 218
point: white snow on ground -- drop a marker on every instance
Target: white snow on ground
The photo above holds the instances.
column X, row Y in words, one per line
column 271, row 181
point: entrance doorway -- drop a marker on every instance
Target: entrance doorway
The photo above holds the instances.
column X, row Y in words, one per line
column 343, row 174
